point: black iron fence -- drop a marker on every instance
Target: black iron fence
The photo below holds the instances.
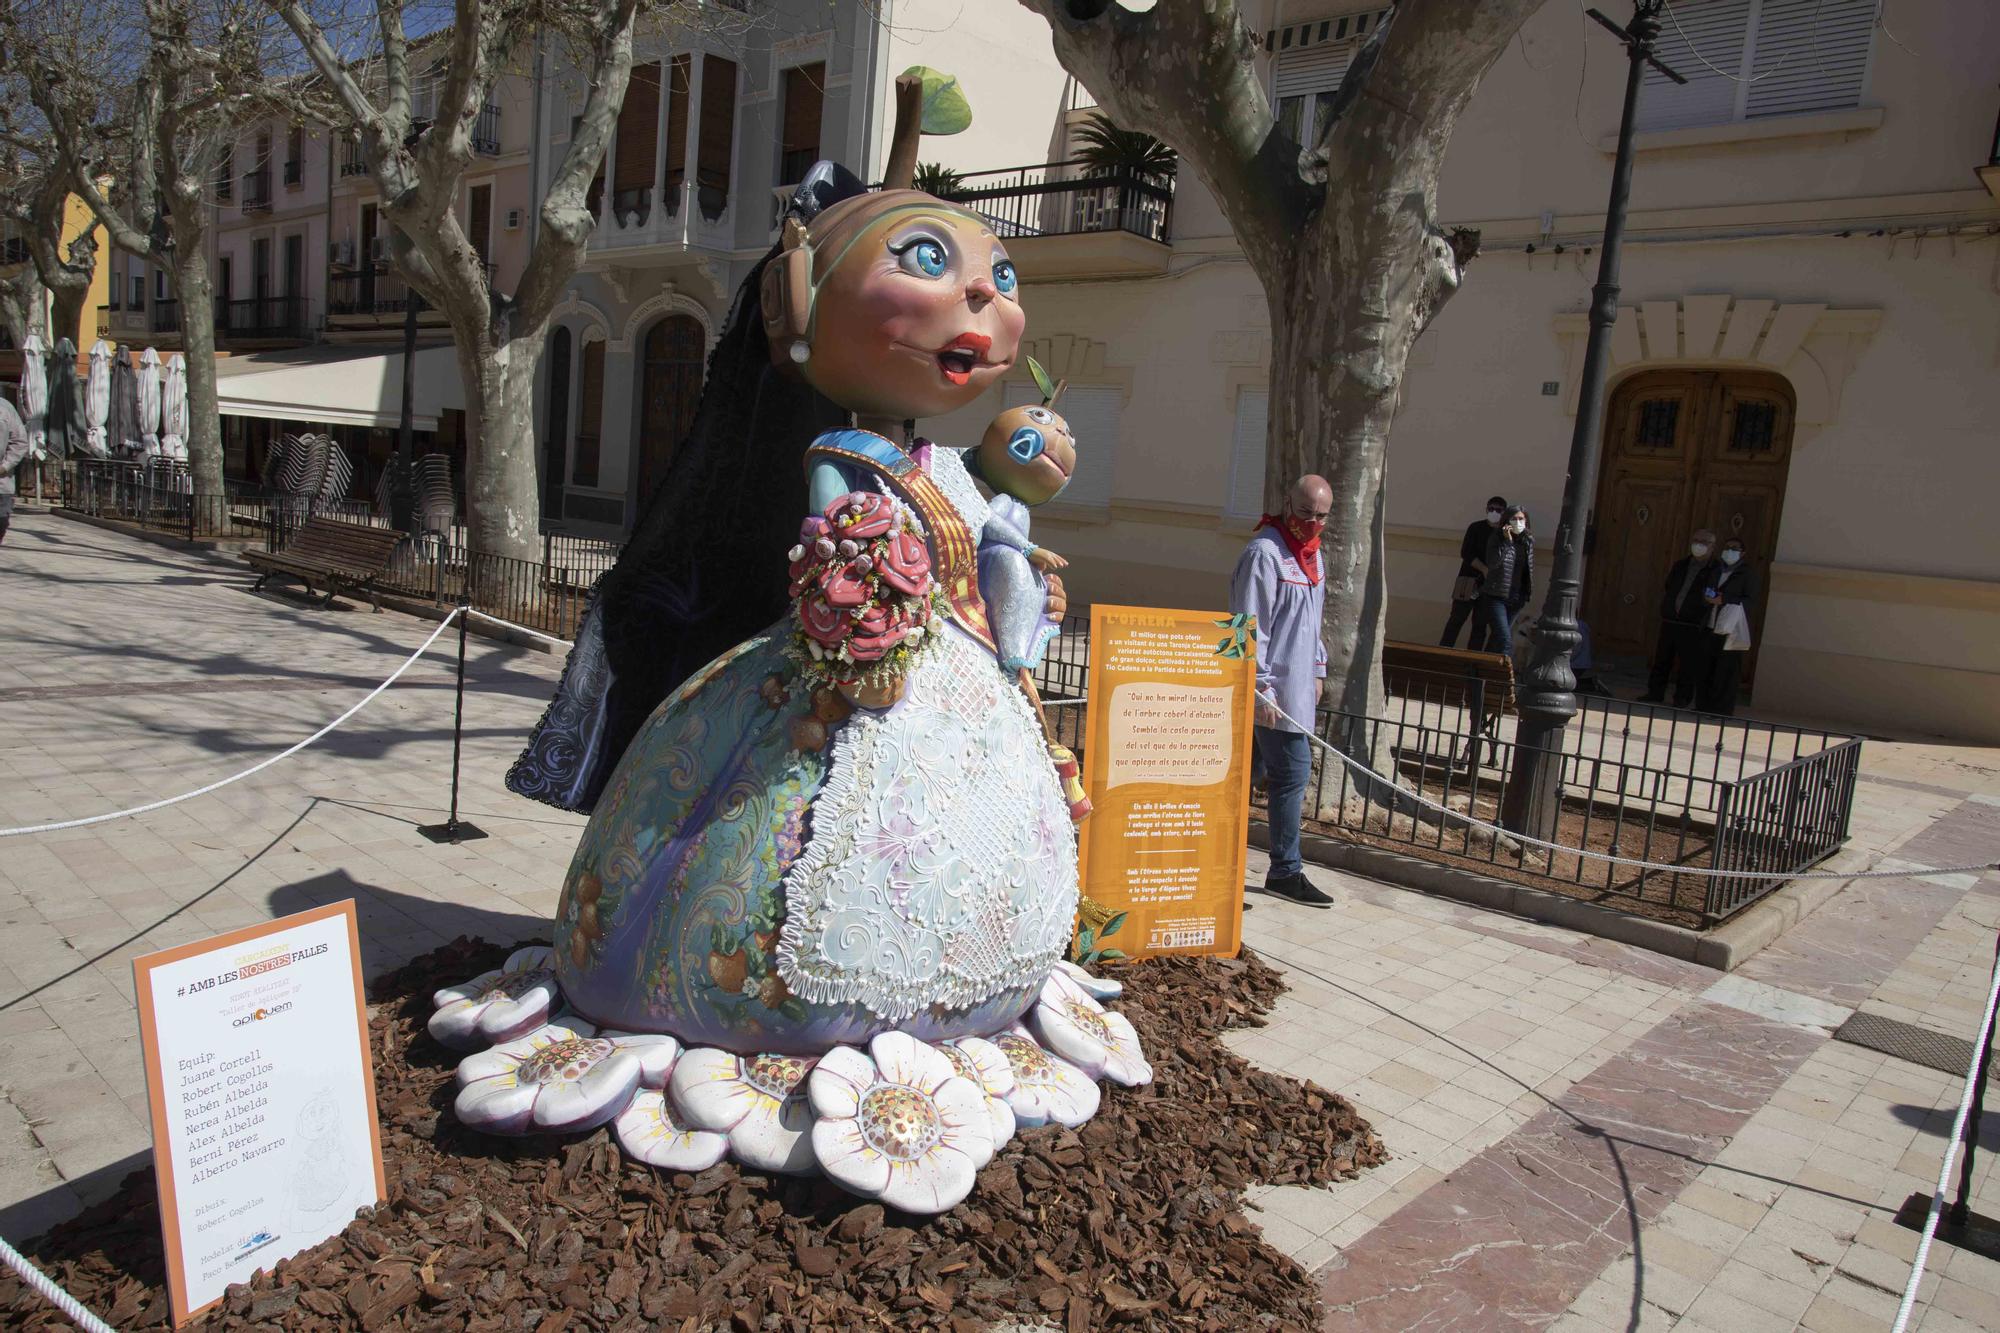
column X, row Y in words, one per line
column 1069, row 198
column 1642, row 784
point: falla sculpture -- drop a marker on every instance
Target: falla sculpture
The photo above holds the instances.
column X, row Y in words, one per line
column 818, row 918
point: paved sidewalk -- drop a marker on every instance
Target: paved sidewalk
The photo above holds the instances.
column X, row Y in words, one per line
column 1584, row 1135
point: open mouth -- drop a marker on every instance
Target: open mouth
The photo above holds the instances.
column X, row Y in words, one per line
column 958, row 358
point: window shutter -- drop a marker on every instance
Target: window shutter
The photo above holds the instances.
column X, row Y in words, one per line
column 638, row 147
column 1823, row 46
column 1092, row 413
column 1246, row 454
column 680, row 75
column 1303, row 71
column 1704, row 40
column 718, row 123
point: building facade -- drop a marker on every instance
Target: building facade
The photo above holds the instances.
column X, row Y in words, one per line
column 1805, row 355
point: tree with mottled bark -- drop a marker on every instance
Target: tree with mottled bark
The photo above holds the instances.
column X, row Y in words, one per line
column 1342, row 233
column 145, row 102
column 418, row 163
column 34, row 197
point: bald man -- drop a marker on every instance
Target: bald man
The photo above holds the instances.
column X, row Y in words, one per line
column 1279, row 580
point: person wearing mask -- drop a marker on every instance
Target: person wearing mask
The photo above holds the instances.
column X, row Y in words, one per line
column 1471, row 573
column 13, row 448
column 1683, row 626
column 1509, row 580
column 1728, row 584
column 1279, row 580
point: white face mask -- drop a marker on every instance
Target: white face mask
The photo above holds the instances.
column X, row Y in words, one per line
column 1731, row 557
column 1494, row 516
column 1519, row 525
column 1699, row 550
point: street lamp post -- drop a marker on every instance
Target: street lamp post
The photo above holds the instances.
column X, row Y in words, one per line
column 1546, row 698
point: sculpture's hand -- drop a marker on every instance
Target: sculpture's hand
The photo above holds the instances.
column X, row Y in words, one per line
column 1058, row 605
column 1044, row 559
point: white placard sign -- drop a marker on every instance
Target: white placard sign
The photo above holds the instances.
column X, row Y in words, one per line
column 265, row 1140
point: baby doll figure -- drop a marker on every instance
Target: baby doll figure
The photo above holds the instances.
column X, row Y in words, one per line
column 1025, row 457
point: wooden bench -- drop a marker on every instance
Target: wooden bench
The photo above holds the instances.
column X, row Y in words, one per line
column 1480, row 683
column 332, row 552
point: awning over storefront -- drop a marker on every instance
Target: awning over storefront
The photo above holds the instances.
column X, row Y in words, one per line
column 338, row 386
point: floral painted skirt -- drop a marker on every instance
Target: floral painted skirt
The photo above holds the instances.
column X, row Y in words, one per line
column 917, row 874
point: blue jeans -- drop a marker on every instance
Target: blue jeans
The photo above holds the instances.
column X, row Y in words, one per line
column 1494, row 616
column 1285, row 758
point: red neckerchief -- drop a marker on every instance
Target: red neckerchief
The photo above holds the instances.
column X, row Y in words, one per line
column 1306, row 553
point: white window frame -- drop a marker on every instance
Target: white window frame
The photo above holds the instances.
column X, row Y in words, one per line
column 1249, row 433
column 1828, row 71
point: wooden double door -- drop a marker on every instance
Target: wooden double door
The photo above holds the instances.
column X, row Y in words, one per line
column 1683, row 449
column 670, row 372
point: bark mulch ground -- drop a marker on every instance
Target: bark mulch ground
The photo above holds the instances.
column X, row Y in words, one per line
column 1136, row 1220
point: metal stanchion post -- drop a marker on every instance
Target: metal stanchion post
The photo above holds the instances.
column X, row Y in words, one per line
column 1959, row 1214
column 453, row 829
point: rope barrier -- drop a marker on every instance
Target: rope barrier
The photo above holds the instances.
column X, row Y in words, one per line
column 1915, row 872
column 547, row 638
column 254, row 768
column 1972, row 1080
column 54, row 1294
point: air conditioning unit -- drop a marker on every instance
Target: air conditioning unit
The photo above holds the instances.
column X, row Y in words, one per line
column 378, row 249
column 342, row 252
column 513, row 221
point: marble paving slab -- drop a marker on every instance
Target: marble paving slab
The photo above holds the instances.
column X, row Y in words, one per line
column 1508, row 1240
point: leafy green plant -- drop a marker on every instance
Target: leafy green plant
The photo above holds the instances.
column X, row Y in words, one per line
column 1108, row 150
column 938, row 179
column 1089, row 947
column 1234, row 643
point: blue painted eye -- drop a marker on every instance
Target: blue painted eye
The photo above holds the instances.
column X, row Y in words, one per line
column 1005, row 279
column 1027, row 444
column 923, row 256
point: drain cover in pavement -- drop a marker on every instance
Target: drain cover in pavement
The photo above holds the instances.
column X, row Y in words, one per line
column 1907, row 1041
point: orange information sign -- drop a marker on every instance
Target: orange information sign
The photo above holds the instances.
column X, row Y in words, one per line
column 1167, row 766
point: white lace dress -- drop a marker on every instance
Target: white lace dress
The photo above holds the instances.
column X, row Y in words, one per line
column 941, row 865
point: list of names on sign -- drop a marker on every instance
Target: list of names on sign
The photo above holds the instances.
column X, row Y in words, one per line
column 1167, row 767
column 265, row 1140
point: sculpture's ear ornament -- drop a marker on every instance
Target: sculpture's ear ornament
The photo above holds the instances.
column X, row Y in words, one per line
column 786, row 295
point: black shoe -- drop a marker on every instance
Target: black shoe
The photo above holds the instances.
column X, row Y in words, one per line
column 1299, row 889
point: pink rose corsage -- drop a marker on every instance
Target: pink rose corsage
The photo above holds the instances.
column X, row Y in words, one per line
column 862, row 590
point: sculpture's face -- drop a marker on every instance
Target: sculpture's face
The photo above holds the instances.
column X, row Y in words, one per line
column 921, row 315
column 1028, row 453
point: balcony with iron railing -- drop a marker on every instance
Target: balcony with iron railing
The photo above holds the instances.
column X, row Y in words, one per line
column 486, row 131
column 370, row 295
column 352, row 163
column 14, row 250
column 1066, row 219
column 263, row 318
column 165, row 316
column 257, row 191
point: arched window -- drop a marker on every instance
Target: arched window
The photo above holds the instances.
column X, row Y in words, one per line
column 670, row 387
column 555, row 425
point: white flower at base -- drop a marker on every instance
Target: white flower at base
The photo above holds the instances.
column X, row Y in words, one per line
column 657, row 1053
column 899, row 1123
column 1046, row 1087
column 508, row 1002
column 758, row 1102
column 652, row 1130
column 981, row 1061
column 555, row 1079
column 1103, row 988
column 1069, row 1021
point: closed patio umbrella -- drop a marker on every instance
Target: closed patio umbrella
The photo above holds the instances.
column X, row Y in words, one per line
column 124, row 423
column 97, row 398
column 174, row 410
column 63, row 420
column 35, row 394
column 149, row 402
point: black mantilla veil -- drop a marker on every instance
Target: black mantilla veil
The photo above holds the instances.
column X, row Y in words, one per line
column 704, row 568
